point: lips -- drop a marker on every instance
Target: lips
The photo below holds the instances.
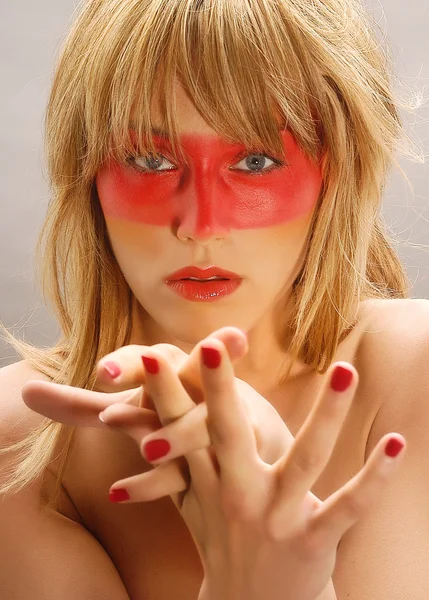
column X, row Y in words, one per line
column 206, row 273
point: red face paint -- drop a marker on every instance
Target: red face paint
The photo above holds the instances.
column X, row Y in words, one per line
column 207, row 194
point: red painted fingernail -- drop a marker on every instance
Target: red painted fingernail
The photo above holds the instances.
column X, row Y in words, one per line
column 151, row 365
column 156, row 449
column 112, row 368
column 211, row 357
column 393, row 447
column 118, row 495
column 341, row 379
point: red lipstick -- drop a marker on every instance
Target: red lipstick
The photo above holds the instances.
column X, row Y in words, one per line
column 203, row 290
column 205, row 273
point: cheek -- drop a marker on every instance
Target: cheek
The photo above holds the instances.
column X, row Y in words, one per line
column 138, row 249
column 128, row 195
column 233, row 200
column 282, row 197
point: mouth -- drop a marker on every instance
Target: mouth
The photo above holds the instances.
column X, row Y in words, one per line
column 201, row 275
column 204, row 280
column 204, row 290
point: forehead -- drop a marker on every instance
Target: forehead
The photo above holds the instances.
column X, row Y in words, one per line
column 187, row 118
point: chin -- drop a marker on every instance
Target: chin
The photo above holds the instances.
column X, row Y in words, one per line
column 190, row 326
column 198, row 331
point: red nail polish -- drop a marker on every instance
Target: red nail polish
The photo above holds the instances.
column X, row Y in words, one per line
column 151, row 365
column 211, row 357
column 118, row 495
column 112, row 368
column 156, row 449
column 393, row 447
column 341, row 379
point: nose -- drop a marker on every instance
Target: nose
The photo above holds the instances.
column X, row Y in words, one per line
column 203, row 211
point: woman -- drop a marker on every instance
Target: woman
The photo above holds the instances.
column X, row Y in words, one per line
column 249, row 142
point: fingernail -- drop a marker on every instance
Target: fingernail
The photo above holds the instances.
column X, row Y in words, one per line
column 156, row 449
column 151, row 365
column 100, row 416
column 393, row 447
column 118, row 495
column 112, row 368
column 211, row 357
column 341, row 379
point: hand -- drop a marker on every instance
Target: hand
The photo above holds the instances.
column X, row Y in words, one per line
column 132, row 405
column 80, row 407
column 259, row 530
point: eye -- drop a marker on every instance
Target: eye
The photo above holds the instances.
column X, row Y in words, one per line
column 150, row 163
column 256, row 163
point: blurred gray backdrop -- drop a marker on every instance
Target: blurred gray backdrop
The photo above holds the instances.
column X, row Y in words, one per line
column 30, row 33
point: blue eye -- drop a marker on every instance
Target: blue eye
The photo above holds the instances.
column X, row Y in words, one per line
column 255, row 162
column 150, row 162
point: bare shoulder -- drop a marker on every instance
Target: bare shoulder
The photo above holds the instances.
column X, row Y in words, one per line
column 57, row 548
column 395, row 315
column 394, row 349
column 394, row 330
column 16, row 418
column 396, row 381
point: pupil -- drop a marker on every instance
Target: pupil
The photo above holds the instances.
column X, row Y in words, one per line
column 257, row 161
column 152, row 161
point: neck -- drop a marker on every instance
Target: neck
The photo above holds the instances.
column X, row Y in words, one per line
column 262, row 367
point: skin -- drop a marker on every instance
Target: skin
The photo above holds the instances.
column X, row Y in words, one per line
column 269, row 523
column 211, row 211
column 246, row 481
column 244, row 504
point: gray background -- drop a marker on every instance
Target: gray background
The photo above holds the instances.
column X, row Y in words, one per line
column 30, row 33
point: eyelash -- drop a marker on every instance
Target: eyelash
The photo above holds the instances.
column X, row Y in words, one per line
column 278, row 164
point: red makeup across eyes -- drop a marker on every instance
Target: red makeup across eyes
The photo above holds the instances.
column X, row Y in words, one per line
column 210, row 190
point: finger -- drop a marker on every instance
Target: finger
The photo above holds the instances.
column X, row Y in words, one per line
column 180, row 437
column 190, row 432
column 172, row 401
column 303, row 464
column 132, row 420
column 72, row 405
column 346, row 506
column 166, row 480
column 168, row 389
column 230, row 429
column 128, row 360
column 122, row 369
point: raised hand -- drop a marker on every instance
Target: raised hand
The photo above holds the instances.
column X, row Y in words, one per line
column 80, row 407
column 129, row 403
column 259, row 530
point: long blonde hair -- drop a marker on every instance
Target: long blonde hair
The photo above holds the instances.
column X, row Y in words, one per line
column 319, row 64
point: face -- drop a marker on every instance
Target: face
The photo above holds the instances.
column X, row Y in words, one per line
column 227, row 206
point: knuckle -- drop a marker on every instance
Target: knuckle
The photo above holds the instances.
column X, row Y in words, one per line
column 236, row 505
column 217, row 433
column 74, row 401
column 315, row 546
column 275, row 530
column 353, row 504
column 308, row 461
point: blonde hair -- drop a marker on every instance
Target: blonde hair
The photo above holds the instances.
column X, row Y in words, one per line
column 318, row 64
